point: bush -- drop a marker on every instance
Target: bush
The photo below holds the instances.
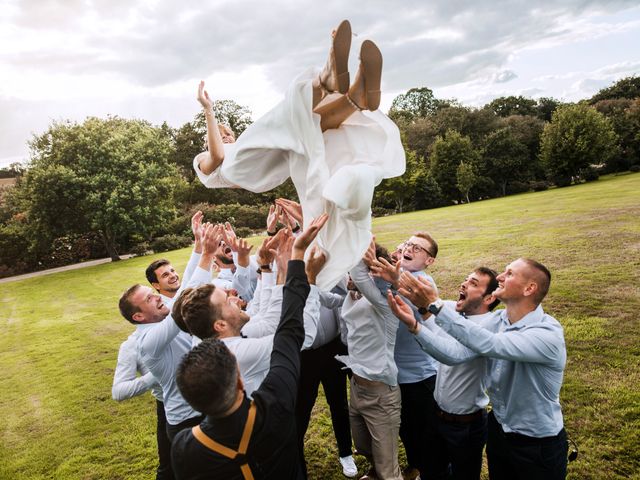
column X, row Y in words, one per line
column 634, row 168
column 140, row 249
column 253, row 217
column 589, row 174
column 243, row 232
column 170, row 242
column 517, row 187
column 539, row 185
column 382, row 212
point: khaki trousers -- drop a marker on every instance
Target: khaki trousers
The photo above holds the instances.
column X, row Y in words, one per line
column 374, row 413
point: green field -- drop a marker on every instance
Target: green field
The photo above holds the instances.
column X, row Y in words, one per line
column 61, row 332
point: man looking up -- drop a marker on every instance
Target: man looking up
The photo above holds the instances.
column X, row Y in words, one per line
column 460, row 419
column 164, row 278
column 526, row 360
column 416, row 369
column 159, row 344
column 262, row 431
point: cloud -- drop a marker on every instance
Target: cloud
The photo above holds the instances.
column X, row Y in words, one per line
column 72, row 58
column 504, row 76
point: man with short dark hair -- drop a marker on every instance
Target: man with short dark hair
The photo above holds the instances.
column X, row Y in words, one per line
column 526, row 359
column 160, row 343
column 459, row 419
column 240, row 437
column 164, row 278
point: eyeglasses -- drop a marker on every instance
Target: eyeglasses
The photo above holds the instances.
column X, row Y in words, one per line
column 417, row 248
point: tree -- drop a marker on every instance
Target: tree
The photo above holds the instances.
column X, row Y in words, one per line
column 545, row 106
column 416, row 103
column 237, row 117
column 506, row 158
column 623, row 114
column 577, row 139
column 628, row 87
column 466, row 178
column 448, row 152
column 512, row 105
column 109, row 176
column 398, row 191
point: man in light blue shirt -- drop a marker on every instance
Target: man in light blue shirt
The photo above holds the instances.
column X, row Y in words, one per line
column 160, row 342
column 527, row 356
column 416, row 369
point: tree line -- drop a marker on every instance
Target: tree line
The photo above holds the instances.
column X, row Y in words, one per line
column 109, row 186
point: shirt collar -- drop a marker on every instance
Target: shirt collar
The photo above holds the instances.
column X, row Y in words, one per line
column 535, row 316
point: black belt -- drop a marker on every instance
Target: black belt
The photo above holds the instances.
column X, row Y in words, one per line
column 459, row 418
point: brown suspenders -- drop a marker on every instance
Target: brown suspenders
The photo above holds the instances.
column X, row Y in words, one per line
column 211, row 444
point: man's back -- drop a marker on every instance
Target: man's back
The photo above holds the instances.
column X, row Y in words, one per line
column 272, row 451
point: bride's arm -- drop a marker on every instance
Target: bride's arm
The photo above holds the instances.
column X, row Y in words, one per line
column 209, row 163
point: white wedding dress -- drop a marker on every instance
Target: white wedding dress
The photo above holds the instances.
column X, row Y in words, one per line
column 334, row 172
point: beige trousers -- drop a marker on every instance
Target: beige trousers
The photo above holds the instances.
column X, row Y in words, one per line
column 374, row 413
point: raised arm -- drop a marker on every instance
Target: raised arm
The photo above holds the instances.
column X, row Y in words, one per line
column 208, row 163
column 434, row 340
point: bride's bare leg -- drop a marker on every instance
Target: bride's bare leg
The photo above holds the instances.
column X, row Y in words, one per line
column 334, row 76
column 364, row 94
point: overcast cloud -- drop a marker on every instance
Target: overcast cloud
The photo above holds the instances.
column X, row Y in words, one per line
column 73, row 58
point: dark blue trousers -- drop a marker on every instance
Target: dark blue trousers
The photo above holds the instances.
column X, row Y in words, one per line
column 512, row 456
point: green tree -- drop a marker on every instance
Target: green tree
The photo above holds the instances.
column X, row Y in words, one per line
column 416, row 103
column 235, row 116
column 448, row 152
column 623, row 114
column 545, row 106
column 506, row 158
column 577, row 139
column 466, row 178
column 628, row 87
column 399, row 191
column 112, row 177
column 513, row 105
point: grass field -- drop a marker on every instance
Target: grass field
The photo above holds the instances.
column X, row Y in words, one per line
column 61, row 332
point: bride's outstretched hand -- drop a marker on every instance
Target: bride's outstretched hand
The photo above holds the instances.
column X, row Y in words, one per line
column 203, row 97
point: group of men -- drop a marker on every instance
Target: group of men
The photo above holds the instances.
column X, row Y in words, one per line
column 235, row 361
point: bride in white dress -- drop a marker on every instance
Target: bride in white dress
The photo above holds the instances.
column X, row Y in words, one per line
column 329, row 137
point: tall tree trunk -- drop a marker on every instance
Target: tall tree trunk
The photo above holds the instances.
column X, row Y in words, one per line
column 110, row 245
column 468, row 201
column 504, row 189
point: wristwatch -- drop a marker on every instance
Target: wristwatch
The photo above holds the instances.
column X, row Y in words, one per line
column 436, row 306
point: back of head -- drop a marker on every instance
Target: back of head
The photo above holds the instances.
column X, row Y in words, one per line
column 382, row 252
column 541, row 275
column 491, row 285
column 208, row 378
column 176, row 310
column 150, row 272
column 128, row 309
column 197, row 312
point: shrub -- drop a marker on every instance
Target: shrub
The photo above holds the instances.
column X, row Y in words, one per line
column 539, row 185
column 170, row 242
column 634, row 168
column 140, row 249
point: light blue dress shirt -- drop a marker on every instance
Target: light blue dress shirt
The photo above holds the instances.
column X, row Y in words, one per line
column 525, row 366
column 414, row 365
column 162, row 346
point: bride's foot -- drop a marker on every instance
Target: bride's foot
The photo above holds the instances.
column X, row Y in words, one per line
column 334, row 77
column 364, row 94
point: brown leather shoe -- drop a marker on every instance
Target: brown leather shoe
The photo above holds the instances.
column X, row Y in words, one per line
column 335, row 74
column 365, row 93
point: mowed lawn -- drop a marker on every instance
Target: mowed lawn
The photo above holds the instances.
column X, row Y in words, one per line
column 61, row 333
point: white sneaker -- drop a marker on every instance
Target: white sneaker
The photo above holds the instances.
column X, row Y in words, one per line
column 349, row 468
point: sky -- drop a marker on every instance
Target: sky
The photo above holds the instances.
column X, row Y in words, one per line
column 69, row 59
